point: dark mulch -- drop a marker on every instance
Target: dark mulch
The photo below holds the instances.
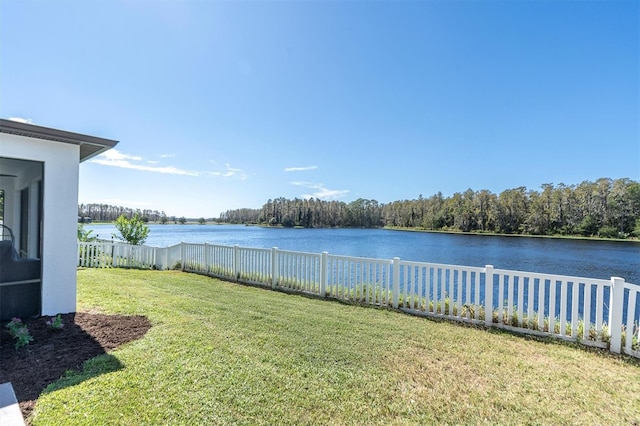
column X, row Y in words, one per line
column 85, row 335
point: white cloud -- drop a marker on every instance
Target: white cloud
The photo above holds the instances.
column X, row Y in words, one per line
column 307, row 184
column 321, row 192
column 115, row 155
column 328, row 194
column 229, row 172
column 21, row 120
column 167, row 155
column 115, row 158
column 300, row 169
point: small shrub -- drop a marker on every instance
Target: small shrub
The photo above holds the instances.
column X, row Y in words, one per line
column 19, row 331
column 14, row 325
column 55, row 323
column 513, row 321
column 133, row 231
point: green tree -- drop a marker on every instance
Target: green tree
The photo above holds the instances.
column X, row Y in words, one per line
column 202, row 221
column 636, row 230
column 182, row 220
column 589, row 226
column 512, row 210
column 133, row 231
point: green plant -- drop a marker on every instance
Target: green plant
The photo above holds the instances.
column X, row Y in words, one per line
column 84, row 235
column 19, row 331
column 14, row 325
column 133, row 231
column 55, row 323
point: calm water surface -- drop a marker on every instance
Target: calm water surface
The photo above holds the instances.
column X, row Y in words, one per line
column 584, row 258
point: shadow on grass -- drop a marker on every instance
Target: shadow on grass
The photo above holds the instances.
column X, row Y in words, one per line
column 102, row 364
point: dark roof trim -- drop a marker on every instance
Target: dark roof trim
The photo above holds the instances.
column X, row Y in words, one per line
column 90, row 146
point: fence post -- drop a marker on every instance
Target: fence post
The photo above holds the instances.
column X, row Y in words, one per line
column 117, row 257
column 236, row 262
column 396, row 281
column 129, row 255
column 158, row 254
column 324, row 266
column 205, row 258
column 488, row 295
column 274, row 267
column 616, row 302
column 182, row 255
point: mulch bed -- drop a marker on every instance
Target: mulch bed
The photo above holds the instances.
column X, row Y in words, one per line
column 85, row 335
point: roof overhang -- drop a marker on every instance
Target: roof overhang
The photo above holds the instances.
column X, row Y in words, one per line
column 90, row 146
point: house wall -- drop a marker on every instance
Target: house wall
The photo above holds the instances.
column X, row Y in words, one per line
column 60, row 203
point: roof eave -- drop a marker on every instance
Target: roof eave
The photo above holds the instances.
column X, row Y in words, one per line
column 90, row 146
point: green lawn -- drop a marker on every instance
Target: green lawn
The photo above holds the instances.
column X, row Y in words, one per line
column 221, row 353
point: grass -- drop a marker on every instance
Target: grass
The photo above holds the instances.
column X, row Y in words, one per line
column 222, row 353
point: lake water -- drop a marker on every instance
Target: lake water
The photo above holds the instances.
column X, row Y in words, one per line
column 583, row 258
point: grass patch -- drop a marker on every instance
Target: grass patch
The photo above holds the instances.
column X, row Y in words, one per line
column 221, row 353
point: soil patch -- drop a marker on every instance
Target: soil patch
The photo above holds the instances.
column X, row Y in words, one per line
column 84, row 336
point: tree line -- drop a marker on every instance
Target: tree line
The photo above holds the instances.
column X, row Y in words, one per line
column 604, row 208
column 109, row 213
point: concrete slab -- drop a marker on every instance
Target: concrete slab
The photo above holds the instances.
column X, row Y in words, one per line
column 10, row 414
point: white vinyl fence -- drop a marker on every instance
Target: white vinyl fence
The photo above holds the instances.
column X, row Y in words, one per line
column 596, row 312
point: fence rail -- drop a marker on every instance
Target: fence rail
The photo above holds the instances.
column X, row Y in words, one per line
column 596, row 312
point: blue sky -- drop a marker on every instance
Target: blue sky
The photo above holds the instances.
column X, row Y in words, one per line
column 223, row 105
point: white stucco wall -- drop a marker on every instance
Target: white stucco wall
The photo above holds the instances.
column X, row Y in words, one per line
column 60, row 204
